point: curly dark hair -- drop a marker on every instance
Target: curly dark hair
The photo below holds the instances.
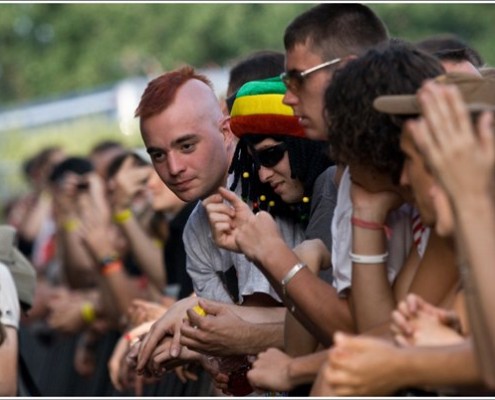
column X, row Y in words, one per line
column 357, row 132
column 307, row 160
column 451, row 47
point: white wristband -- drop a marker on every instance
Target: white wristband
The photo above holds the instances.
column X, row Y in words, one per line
column 362, row 259
column 292, row 272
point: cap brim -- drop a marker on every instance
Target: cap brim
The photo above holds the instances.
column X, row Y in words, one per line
column 408, row 105
column 397, row 104
column 478, row 94
column 478, row 107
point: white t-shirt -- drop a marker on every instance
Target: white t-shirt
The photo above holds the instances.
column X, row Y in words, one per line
column 9, row 301
column 421, row 233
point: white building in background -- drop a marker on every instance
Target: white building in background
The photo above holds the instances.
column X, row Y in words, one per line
column 117, row 102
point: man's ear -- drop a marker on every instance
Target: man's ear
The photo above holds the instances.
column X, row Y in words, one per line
column 225, row 129
column 225, row 123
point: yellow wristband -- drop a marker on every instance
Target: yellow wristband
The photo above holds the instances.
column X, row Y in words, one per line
column 122, row 216
column 70, row 225
column 158, row 243
column 88, row 312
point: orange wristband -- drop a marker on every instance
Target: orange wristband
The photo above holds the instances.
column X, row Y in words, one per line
column 111, row 268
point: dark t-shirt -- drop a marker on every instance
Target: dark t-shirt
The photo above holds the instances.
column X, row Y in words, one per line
column 323, row 201
column 175, row 254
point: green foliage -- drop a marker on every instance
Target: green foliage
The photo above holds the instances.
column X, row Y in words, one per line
column 51, row 49
column 472, row 22
column 48, row 50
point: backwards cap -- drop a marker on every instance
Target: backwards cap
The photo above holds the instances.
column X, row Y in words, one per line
column 258, row 109
column 478, row 94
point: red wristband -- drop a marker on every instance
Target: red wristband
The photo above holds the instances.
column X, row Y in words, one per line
column 371, row 225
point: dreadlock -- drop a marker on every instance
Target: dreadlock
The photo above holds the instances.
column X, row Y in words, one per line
column 307, row 160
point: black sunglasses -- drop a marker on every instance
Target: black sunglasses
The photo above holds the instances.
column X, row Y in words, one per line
column 270, row 156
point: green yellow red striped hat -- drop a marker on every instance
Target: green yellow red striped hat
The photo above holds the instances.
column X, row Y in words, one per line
column 258, row 109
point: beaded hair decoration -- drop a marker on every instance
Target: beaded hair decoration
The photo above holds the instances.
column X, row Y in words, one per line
column 258, row 113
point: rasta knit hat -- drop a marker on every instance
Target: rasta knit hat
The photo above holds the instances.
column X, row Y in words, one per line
column 258, row 109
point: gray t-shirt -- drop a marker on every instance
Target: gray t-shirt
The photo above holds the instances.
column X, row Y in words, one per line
column 214, row 270
column 323, row 201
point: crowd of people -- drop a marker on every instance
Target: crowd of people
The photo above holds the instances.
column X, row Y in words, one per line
column 323, row 230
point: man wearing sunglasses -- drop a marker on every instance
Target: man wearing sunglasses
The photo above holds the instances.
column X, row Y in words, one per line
column 316, row 43
column 270, row 156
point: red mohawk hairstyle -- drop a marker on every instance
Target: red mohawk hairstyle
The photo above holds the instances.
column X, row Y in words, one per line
column 161, row 91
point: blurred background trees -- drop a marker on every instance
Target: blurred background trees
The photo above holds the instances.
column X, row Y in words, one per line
column 53, row 51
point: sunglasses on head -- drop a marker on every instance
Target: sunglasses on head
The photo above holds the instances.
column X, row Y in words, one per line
column 270, row 156
column 294, row 79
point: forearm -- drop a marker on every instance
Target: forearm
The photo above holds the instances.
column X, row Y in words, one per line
column 31, row 224
column 482, row 341
column 263, row 327
column 437, row 273
column 322, row 312
column 77, row 263
column 475, row 239
column 8, row 366
column 119, row 289
column 148, row 254
column 371, row 294
column 297, row 340
column 426, row 366
column 259, row 337
column 381, row 331
column 258, row 315
column 305, row 369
